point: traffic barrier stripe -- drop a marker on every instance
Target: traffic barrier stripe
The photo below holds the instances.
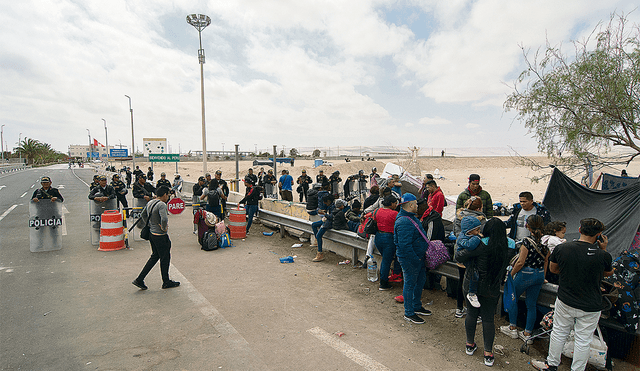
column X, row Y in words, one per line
column 237, row 223
column 111, row 231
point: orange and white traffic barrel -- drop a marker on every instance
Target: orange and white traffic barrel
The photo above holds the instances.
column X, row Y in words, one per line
column 238, row 223
column 111, row 231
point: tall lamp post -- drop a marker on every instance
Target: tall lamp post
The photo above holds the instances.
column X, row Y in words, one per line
column 90, row 146
column 133, row 152
column 200, row 22
column 19, row 144
column 106, row 139
column 2, row 141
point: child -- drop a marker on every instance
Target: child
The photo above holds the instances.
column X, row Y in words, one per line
column 353, row 216
column 469, row 239
column 554, row 234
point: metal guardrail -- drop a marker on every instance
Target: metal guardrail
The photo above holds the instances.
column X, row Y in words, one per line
column 10, row 168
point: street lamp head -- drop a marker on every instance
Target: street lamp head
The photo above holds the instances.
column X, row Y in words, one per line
column 199, row 21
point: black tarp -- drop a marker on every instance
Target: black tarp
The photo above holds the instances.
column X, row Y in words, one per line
column 610, row 181
column 618, row 209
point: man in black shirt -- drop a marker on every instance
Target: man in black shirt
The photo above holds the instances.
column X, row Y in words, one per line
column 218, row 182
column 270, row 185
column 95, row 182
column 163, row 182
column 304, row 180
column 47, row 192
column 137, row 172
column 321, row 178
column 142, row 189
column 150, row 174
column 251, row 198
column 103, row 191
column 207, row 180
column 198, row 187
column 129, row 176
column 121, row 190
column 581, row 264
column 251, row 176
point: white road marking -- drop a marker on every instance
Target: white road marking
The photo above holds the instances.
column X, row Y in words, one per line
column 3, row 186
column 76, row 175
column 347, row 350
column 7, row 212
column 61, row 186
column 33, row 185
column 24, row 194
column 242, row 356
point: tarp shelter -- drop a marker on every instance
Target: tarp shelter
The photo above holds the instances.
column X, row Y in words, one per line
column 618, row 209
column 610, row 181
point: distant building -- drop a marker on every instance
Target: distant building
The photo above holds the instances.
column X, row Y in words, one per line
column 82, row 151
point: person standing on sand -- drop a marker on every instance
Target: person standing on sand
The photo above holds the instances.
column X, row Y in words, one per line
column 474, row 189
column 286, row 186
column 321, row 178
column 304, row 180
column 522, row 211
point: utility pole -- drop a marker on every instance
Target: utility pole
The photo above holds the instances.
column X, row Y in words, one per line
column 133, row 149
column 106, row 139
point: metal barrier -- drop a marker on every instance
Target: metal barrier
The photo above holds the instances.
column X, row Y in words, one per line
column 45, row 224
column 10, row 168
column 95, row 214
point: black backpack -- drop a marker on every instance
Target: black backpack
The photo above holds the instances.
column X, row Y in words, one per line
column 210, row 240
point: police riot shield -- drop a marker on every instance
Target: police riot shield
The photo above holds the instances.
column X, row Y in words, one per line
column 95, row 213
column 362, row 187
column 138, row 205
column 270, row 191
column 336, row 189
column 45, row 225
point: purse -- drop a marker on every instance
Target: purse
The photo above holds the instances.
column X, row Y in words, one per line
column 437, row 253
column 371, row 226
column 145, row 232
column 597, row 349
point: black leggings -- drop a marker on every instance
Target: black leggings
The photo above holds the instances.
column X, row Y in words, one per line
column 459, row 294
column 487, row 310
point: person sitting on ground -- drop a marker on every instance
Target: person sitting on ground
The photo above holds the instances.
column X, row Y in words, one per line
column 286, row 186
column 469, row 239
column 163, row 181
column 491, row 261
column 521, row 213
column 435, row 200
column 142, row 189
column 475, row 189
column 386, row 219
column 410, row 250
column 252, row 196
column 373, row 197
column 47, row 192
column 353, row 216
column 321, row 226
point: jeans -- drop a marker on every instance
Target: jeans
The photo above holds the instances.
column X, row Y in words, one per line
column 386, row 246
column 251, row 211
column 415, row 274
column 318, row 231
column 473, row 282
column 527, row 280
column 160, row 250
column 565, row 319
column 487, row 310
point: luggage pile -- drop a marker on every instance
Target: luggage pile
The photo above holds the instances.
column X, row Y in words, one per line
column 212, row 232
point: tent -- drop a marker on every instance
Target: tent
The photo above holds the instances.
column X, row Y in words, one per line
column 618, row 209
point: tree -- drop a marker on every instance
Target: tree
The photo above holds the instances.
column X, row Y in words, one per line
column 316, row 153
column 585, row 104
column 37, row 152
column 293, row 152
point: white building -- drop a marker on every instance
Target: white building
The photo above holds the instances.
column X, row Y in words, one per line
column 82, row 150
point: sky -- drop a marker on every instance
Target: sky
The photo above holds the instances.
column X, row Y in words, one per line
column 317, row 74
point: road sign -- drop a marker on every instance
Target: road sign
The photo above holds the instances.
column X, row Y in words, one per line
column 175, row 206
column 119, row 152
column 93, row 154
column 165, row 157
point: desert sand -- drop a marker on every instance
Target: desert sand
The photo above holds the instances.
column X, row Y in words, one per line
column 503, row 177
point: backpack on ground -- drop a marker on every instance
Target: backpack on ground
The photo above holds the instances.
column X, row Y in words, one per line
column 210, row 241
column 224, row 241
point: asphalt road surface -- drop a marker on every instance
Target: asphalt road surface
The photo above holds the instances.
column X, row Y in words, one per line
column 236, row 309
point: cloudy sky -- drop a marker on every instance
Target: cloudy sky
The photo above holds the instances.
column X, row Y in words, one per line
column 296, row 73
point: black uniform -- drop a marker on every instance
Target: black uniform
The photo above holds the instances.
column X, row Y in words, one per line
column 268, row 178
column 98, row 191
column 139, row 191
column 93, row 185
column 304, row 181
column 214, row 184
column 136, row 173
column 42, row 194
column 121, row 191
column 322, row 179
column 197, row 189
column 128, row 176
column 163, row 183
column 150, row 175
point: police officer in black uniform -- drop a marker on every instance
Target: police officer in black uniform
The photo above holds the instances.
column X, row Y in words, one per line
column 103, row 191
column 304, row 180
column 219, row 182
column 150, row 174
column 47, row 192
column 137, row 172
column 129, row 176
column 198, row 187
column 142, row 189
column 95, row 182
column 121, row 190
column 269, row 180
column 321, row 178
column 163, row 181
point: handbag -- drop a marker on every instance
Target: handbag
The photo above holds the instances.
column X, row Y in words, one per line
column 437, row 253
column 509, row 296
column 597, row 349
column 371, row 226
column 145, row 232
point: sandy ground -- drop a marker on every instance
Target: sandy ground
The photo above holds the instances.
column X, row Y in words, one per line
column 503, row 177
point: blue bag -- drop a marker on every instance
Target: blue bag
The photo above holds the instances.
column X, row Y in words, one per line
column 224, row 241
column 509, row 297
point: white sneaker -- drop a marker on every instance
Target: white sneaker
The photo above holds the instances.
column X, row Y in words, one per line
column 473, row 300
column 524, row 337
column 509, row 332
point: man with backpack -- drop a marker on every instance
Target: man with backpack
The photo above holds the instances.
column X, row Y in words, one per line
column 251, row 198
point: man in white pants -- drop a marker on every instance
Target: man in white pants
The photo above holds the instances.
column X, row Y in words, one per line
column 581, row 264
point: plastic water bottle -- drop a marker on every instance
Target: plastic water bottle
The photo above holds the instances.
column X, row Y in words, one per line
column 372, row 270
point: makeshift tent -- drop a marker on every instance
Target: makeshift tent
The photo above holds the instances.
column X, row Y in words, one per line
column 618, row 209
column 610, row 181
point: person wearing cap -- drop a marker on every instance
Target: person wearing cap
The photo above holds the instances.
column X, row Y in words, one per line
column 103, row 191
column 95, row 181
column 128, row 176
column 285, row 183
column 47, row 192
column 304, row 180
column 142, row 189
column 250, row 175
column 253, row 194
column 340, row 218
column 216, row 183
column 474, row 189
column 121, row 190
column 137, row 172
column 199, row 187
column 163, row 181
column 150, row 174
column 321, row 178
column 269, row 184
column 411, row 248
column 207, row 179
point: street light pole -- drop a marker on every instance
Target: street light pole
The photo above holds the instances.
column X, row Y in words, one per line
column 19, row 151
column 90, row 147
column 133, row 152
column 106, row 139
column 2, row 141
column 200, row 22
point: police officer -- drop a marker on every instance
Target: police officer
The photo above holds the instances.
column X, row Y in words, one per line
column 218, row 182
column 304, row 180
column 321, row 178
column 142, row 189
column 121, row 190
column 163, row 182
column 207, row 180
column 103, row 191
column 150, row 174
column 137, row 172
column 95, row 182
column 47, row 192
column 252, row 177
column 129, row 176
column 198, row 187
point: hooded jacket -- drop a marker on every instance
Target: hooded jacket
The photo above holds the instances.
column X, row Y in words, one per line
column 487, row 203
column 410, row 245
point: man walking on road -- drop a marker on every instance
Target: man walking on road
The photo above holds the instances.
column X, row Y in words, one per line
column 156, row 214
column 581, row 264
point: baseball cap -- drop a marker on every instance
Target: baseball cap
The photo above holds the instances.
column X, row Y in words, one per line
column 304, row 171
column 207, row 174
column 474, row 177
column 408, row 197
column 45, row 179
column 201, row 179
column 218, row 172
column 102, row 177
column 163, row 173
